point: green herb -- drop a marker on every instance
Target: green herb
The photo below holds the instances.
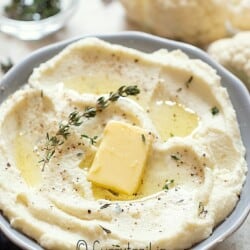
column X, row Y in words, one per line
column 105, row 205
column 6, row 65
column 76, row 119
column 91, row 139
column 105, row 230
column 143, row 138
column 201, row 210
column 175, row 157
column 123, row 91
column 214, row 110
column 116, row 246
column 168, row 184
column 32, row 10
column 79, row 154
column 188, row 82
column 51, row 144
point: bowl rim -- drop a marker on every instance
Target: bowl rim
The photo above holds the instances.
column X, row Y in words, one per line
column 131, row 37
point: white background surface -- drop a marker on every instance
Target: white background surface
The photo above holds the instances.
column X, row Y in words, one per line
column 101, row 16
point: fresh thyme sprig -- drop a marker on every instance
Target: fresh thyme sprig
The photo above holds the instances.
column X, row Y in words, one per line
column 76, row 119
column 123, row 91
column 50, row 148
column 92, row 140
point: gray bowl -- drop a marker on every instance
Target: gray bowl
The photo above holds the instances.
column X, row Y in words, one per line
column 239, row 95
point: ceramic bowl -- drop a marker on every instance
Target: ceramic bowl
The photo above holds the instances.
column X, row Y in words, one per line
column 239, row 95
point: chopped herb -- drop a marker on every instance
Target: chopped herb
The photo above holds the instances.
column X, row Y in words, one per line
column 114, row 245
column 6, row 65
column 214, row 110
column 180, row 201
column 105, row 205
column 105, row 230
column 79, row 154
column 188, row 82
column 32, row 10
column 201, row 210
column 175, row 157
column 143, row 138
column 179, row 90
column 75, row 119
column 91, row 139
column 168, row 184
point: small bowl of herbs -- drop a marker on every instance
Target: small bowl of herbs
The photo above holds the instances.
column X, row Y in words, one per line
column 34, row 19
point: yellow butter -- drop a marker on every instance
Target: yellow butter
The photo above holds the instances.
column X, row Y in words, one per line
column 120, row 160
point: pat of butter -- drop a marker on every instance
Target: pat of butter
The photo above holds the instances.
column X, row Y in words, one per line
column 120, row 160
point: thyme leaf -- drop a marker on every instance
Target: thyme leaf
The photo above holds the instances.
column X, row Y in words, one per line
column 105, row 229
column 201, row 210
column 143, row 138
column 105, row 205
column 63, row 131
column 75, row 119
column 188, row 82
column 175, row 157
column 123, row 91
column 89, row 112
column 168, row 184
column 91, row 139
column 214, row 110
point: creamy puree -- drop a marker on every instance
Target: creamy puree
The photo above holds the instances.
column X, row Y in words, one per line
column 194, row 171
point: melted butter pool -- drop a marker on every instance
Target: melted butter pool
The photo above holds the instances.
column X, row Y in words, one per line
column 172, row 119
column 27, row 161
column 94, row 85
